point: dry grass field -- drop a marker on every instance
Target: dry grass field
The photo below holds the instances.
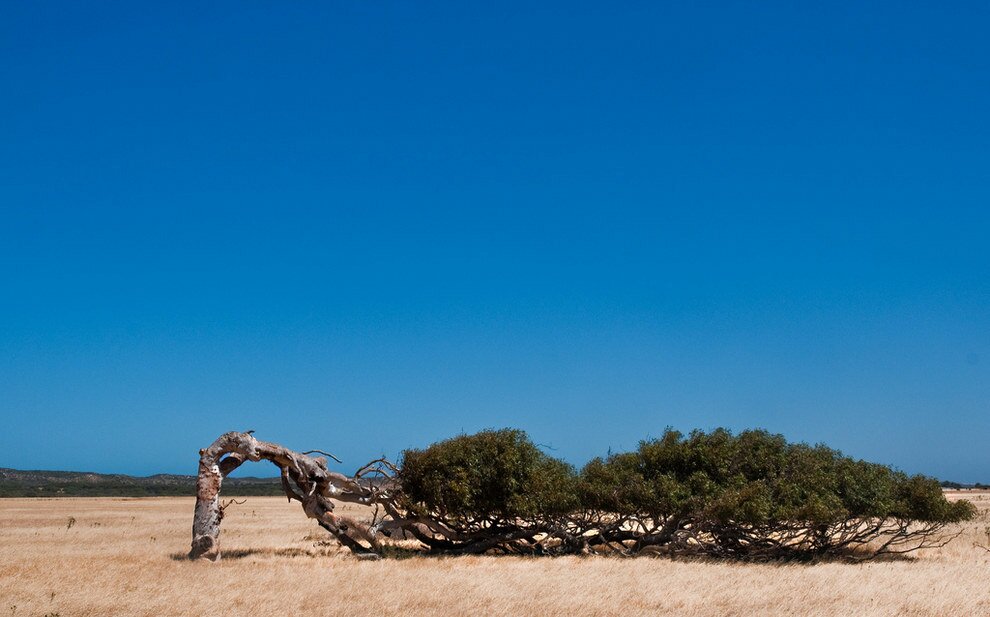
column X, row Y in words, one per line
column 125, row 557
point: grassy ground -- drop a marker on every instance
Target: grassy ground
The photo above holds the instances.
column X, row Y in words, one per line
column 125, row 557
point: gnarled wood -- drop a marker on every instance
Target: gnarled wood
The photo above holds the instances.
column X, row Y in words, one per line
column 305, row 479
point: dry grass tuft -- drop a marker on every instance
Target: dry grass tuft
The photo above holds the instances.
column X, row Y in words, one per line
column 126, row 557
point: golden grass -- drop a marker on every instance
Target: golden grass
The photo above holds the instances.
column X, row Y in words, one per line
column 124, row 557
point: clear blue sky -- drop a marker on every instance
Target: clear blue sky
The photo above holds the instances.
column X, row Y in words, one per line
column 365, row 226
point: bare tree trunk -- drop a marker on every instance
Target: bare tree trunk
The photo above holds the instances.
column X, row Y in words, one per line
column 305, row 479
column 209, row 513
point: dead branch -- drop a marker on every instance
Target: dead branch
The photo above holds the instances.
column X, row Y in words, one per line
column 304, row 479
column 324, row 454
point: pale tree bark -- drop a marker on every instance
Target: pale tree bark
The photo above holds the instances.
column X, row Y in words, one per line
column 305, row 479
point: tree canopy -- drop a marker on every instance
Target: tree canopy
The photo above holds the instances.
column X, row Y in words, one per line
column 746, row 494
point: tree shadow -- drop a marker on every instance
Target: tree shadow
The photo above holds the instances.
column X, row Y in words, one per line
column 401, row 553
column 848, row 558
column 243, row 553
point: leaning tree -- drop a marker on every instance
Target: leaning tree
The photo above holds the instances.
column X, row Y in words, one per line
column 305, row 478
column 745, row 496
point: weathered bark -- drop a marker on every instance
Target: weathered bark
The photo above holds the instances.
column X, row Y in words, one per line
column 305, row 479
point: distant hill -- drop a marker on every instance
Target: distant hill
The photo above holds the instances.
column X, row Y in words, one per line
column 17, row 483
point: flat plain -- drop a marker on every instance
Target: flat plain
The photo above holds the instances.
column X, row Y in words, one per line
column 126, row 557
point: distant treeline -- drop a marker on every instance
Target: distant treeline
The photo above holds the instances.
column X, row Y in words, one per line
column 959, row 486
column 17, row 483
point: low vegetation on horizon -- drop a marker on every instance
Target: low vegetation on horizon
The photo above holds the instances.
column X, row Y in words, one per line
column 38, row 483
column 47, row 483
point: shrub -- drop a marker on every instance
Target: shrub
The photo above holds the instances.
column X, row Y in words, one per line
column 494, row 474
column 747, row 495
column 755, row 494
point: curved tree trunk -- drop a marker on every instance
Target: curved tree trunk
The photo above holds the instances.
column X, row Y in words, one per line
column 305, row 479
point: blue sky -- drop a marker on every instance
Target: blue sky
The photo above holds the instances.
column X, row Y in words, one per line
column 367, row 226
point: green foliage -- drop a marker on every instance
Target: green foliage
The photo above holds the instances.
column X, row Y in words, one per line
column 754, row 478
column 757, row 478
column 494, row 474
